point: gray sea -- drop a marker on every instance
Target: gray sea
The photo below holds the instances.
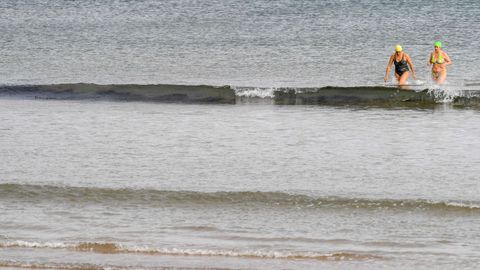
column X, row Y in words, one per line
column 127, row 184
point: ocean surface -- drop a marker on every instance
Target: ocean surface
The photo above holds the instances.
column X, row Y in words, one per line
column 123, row 183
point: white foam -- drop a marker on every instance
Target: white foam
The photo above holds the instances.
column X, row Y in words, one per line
column 264, row 254
column 418, row 82
column 226, row 253
column 259, row 253
column 469, row 205
column 26, row 244
column 254, row 92
column 444, row 93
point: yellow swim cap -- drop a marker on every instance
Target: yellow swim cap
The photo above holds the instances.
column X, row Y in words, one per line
column 398, row 48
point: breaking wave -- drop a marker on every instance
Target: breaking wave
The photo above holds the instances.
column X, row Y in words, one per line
column 382, row 95
column 113, row 248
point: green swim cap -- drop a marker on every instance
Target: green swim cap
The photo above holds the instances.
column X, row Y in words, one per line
column 438, row 44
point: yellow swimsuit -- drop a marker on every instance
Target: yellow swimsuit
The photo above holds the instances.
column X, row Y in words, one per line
column 440, row 60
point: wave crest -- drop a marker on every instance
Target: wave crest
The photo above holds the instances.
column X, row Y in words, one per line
column 112, row 248
column 156, row 198
column 126, row 92
column 380, row 95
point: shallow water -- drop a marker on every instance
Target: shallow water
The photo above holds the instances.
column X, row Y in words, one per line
column 246, row 186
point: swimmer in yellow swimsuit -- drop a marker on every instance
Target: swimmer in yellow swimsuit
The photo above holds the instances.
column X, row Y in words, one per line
column 439, row 60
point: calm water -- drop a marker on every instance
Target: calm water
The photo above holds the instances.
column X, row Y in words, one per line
column 132, row 185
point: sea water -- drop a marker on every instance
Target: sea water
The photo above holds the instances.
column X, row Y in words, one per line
column 229, row 42
column 88, row 184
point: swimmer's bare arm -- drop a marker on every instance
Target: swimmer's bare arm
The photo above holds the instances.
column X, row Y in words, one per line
column 409, row 61
column 390, row 62
column 448, row 61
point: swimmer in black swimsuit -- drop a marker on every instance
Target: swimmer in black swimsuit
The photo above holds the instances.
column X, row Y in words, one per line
column 401, row 60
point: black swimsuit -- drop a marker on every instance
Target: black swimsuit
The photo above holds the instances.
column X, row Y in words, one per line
column 400, row 67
